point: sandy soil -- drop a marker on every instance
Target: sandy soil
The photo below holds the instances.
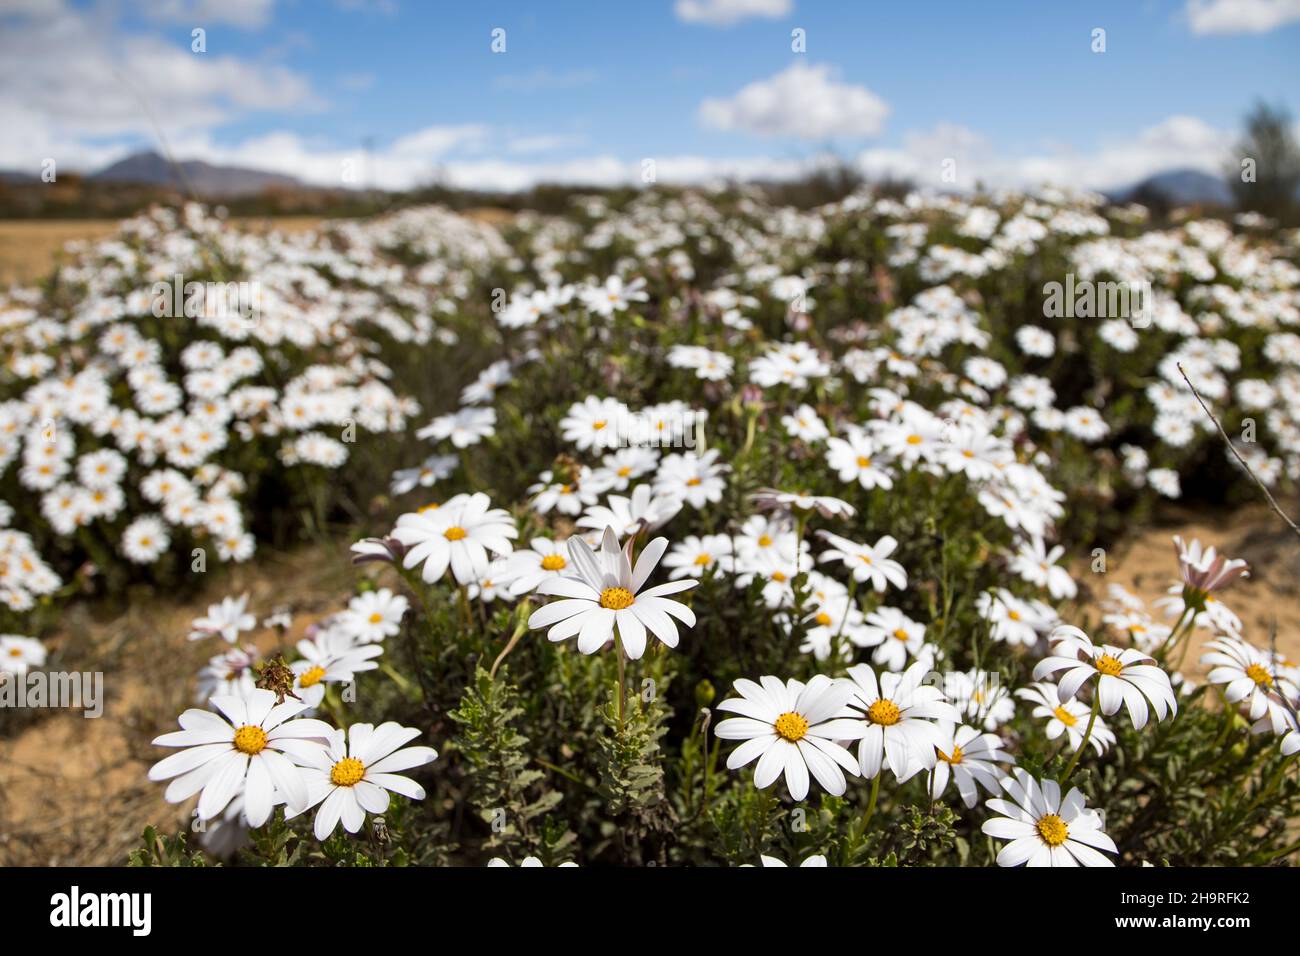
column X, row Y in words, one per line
column 73, row 790
column 1145, row 565
column 29, row 248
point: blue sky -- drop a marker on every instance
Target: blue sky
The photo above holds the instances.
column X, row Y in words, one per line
column 1010, row 88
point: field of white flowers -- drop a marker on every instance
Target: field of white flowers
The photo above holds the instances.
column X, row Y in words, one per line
column 687, row 530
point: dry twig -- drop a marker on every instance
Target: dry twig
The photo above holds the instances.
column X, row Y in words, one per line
column 1233, row 448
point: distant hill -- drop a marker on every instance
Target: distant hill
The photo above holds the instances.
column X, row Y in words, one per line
column 1179, row 187
column 148, row 168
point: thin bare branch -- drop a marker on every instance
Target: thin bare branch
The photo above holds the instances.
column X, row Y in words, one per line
column 1233, row 448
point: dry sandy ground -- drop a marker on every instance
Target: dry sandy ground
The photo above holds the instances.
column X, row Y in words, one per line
column 1145, row 565
column 28, row 248
column 74, row 790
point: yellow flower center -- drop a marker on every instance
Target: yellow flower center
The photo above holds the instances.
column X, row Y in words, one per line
column 250, row 740
column 764, row 541
column 1014, row 615
column 954, row 759
column 432, row 506
column 1052, row 830
column 598, row 425
column 864, row 461
column 884, row 712
column 1108, row 665
column 692, row 482
column 703, row 558
column 376, row 618
column 15, row 652
column 311, row 677
column 1259, row 675
column 553, row 562
column 792, row 726
column 779, row 576
column 347, row 772
column 625, row 471
column 823, row 619
column 454, row 533
column 1065, row 717
column 914, row 439
column 616, row 599
column 901, row 634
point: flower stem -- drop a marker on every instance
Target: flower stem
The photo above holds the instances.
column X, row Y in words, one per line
column 520, row 629
column 871, row 801
column 466, row 613
column 622, row 682
column 1183, row 629
column 1087, row 733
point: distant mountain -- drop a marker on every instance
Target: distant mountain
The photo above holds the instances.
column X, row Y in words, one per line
column 1179, row 187
column 15, row 178
column 206, row 180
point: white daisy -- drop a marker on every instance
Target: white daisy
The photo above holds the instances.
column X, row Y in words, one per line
column 606, row 593
column 898, row 717
column 970, row 762
column 465, row 427
column 375, row 615
column 330, row 657
column 1045, row 830
column 1126, row 677
column 792, row 728
column 643, row 510
column 254, row 751
column 19, row 654
column 529, row 862
column 1251, row 676
column 867, row 562
column 226, row 620
column 817, row 859
column 893, row 634
column 805, row 424
column 355, row 772
column 693, row 556
column 1069, row 718
column 459, row 535
column 528, row 567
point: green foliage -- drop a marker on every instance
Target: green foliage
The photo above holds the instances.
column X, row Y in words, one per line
column 506, row 788
column 164, row 851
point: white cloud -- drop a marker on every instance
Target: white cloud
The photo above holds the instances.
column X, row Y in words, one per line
column 724, row 13
column 545, row 143
column 433, row 141
column 411, row 160
column 1179, row 142
column 605, row 170
column 249, row 14
column 440, row 154
column 68, row 80
column 801, row 101
column 459, row 156
column 1240, row 16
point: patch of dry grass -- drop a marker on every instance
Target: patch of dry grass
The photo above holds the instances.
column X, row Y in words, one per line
column 29, row 249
